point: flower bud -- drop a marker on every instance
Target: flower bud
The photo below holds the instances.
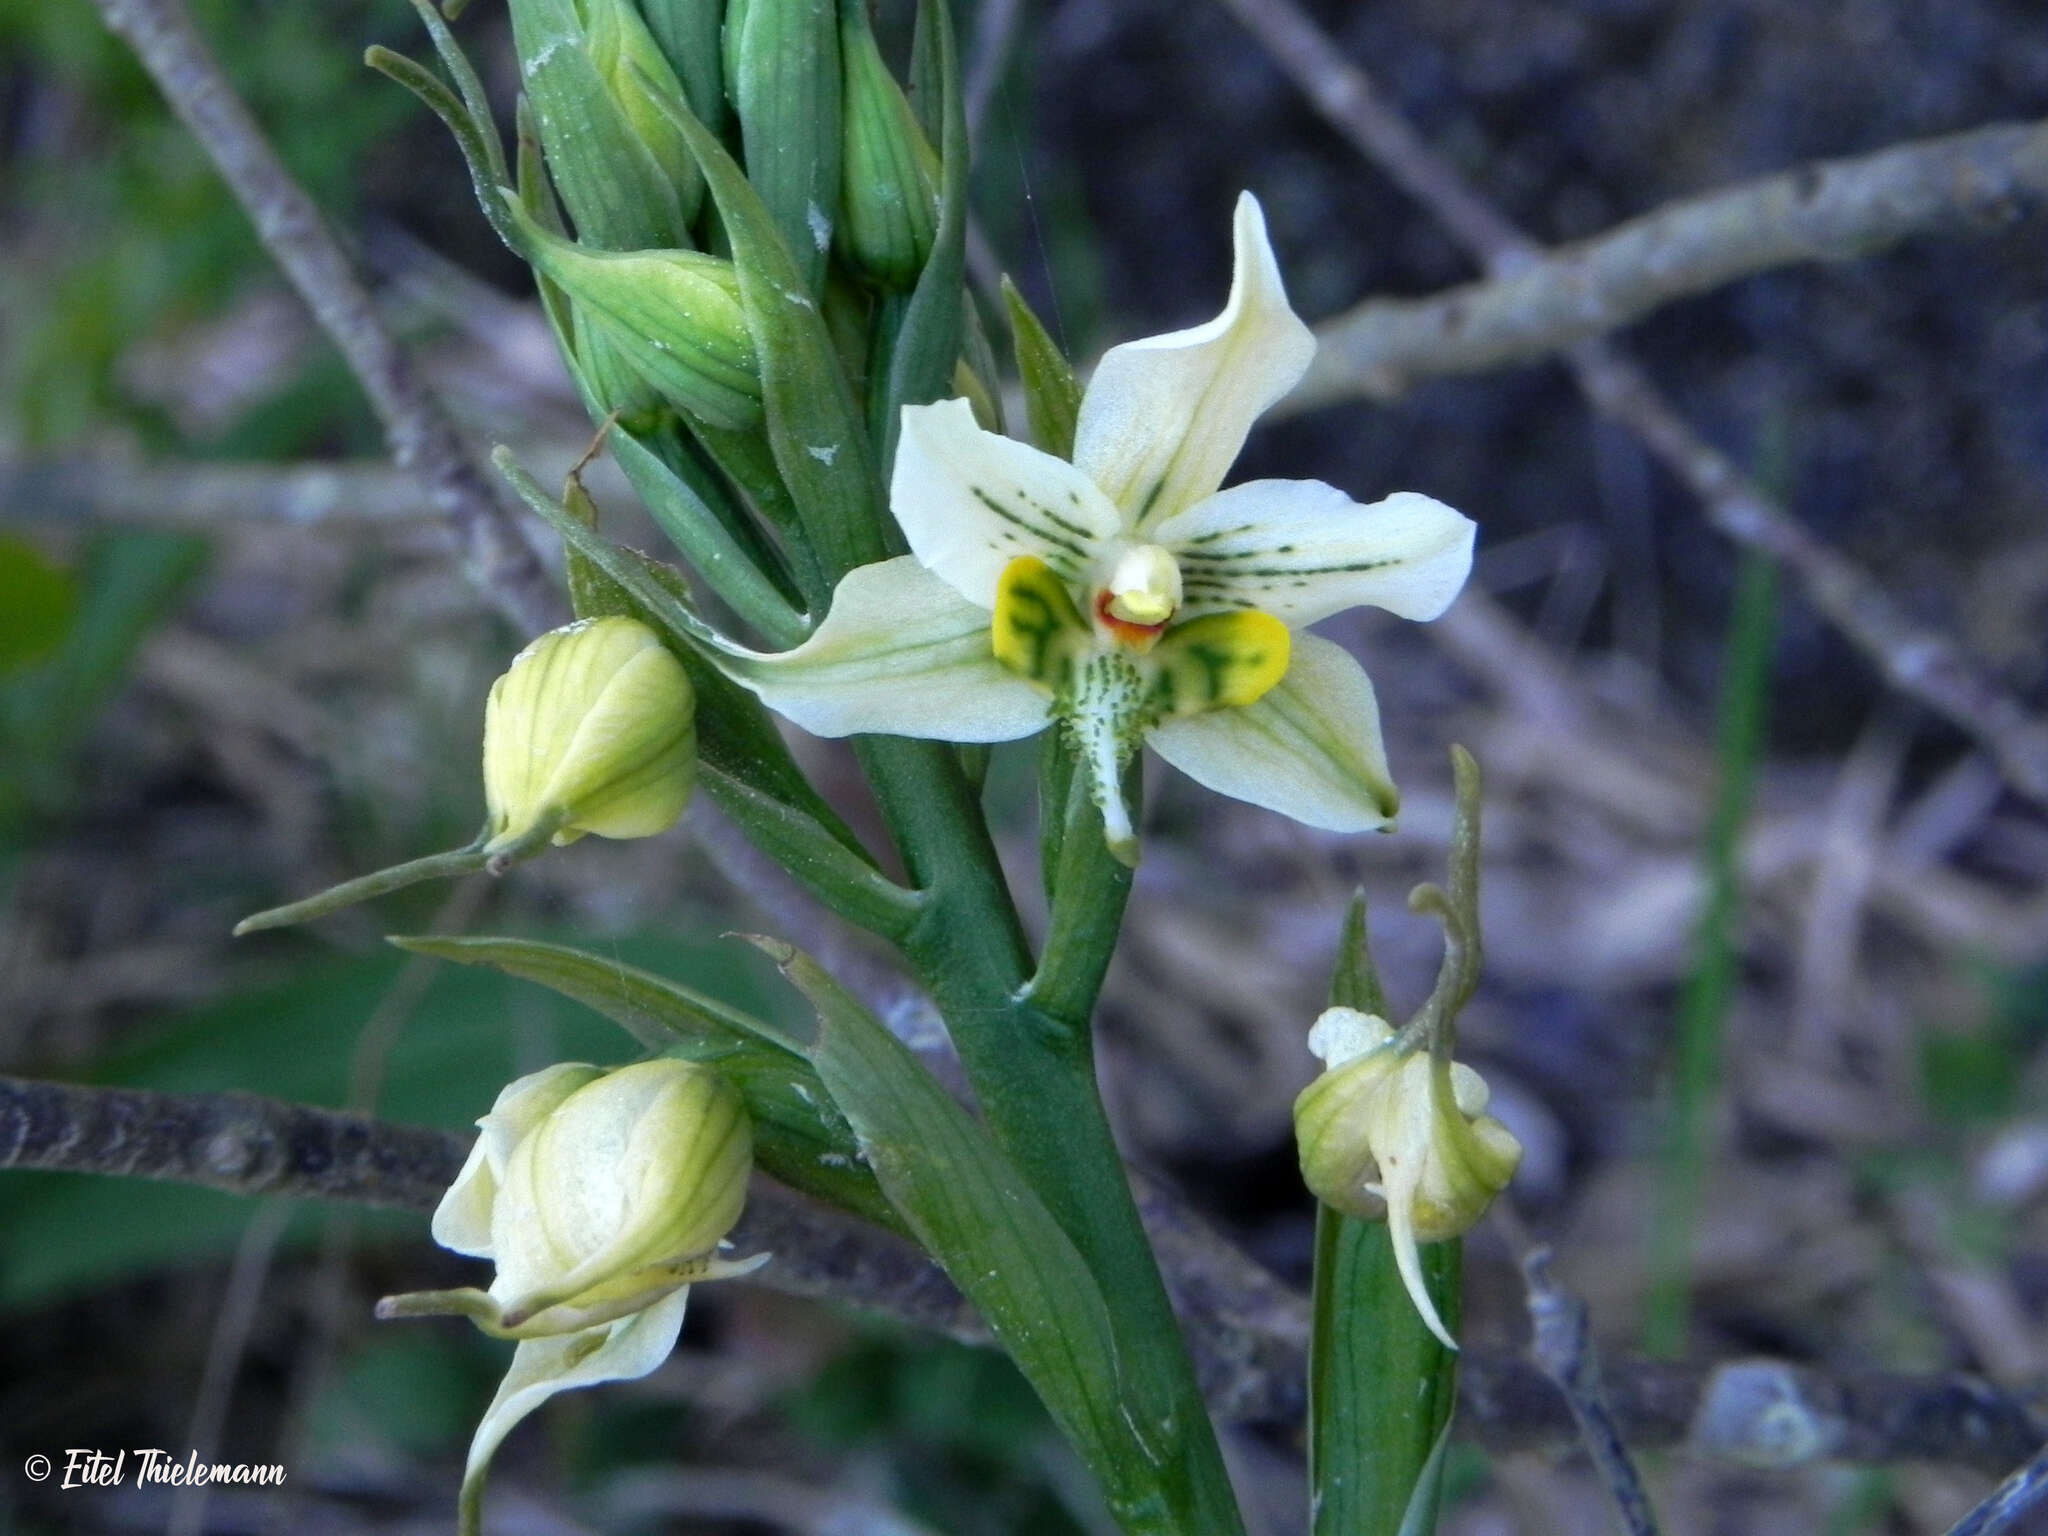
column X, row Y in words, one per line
column 616, row 1194
column 602, row 1196
column 641, row 83
column 1402, row 1136
column 675, row 316
column 592, row 729
column 889, row 212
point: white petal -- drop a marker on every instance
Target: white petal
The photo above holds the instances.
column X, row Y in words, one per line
column 1164, row 418
column 971, row 501
column 1400, row 1188
column 621, row 1351
column 900, row 653
column 1301, row 551
column 1309, row 749
column 462, row 1221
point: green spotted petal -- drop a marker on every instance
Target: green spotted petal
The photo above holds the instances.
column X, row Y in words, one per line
column 1310, row 748
column 1104, row 713
column 1302, row 550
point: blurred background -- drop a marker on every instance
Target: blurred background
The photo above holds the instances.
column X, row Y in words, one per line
column 238, row 662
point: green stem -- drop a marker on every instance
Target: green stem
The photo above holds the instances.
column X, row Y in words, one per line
column 1033, row 1069
column 1703, row 1009
column 435, row 866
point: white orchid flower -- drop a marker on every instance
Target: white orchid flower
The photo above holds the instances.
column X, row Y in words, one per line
column 1400, row 1136
column 1124, row 595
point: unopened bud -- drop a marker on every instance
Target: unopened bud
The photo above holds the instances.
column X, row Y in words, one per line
column 1399, row 1136
column 889, row 202
column 674, row 316
column 591, row 729
column 602, row 1197
column 642, row 84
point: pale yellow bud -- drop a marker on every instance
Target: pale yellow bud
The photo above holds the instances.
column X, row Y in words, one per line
column 618, row 1195
column 1144, row 587
column 592, row 729
column 602, row 1197
column 1400, row 1136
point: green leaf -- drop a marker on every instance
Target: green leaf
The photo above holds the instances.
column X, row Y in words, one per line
column 975, row 1214
column 813, row 423
column 798, row 1137
column 717, row 546
column 1381, row 1386
column 1355, row 983
column 1052, row 395
column 927, row 345
column 40, row 599
column 478, row 142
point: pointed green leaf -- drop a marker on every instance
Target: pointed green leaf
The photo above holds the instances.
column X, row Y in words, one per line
column 798, row 1136
column 927, row 345
column 481, row 151
column 976, row 1215
column 813, row 425
column 1052, row 395
column 475, row 99
column 730, row 563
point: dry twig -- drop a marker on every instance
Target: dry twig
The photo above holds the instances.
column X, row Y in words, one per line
column 1248, row 1331
column 1563, row 1346
column 1833, row 210
column 2014, row 1505
column 290, row 226
column 1919, row 661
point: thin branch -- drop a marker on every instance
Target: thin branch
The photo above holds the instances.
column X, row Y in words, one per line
column 1563, row 1345
column 1835, row 210
column 1249, row 1331
column 1921, row 662
column 207, row 497
column 290, row 226
column 2014, row 1505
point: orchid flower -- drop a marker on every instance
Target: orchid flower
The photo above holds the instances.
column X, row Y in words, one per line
column 1127, row 598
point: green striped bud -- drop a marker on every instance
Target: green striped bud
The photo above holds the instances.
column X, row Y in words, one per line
column 634, row 69
column 889, row 210
column 591, row 729
column 782, row 73
column 691, row 33
column 674, row 316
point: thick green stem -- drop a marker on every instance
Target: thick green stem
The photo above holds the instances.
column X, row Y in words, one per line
column 1033, row 1069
